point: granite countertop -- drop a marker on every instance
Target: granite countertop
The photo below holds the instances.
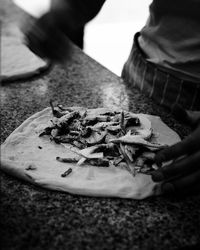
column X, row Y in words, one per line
column 35, row 218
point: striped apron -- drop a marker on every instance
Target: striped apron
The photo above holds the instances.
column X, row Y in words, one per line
column 165, row 89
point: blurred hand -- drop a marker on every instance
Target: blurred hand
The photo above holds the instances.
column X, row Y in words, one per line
column 45, row 38
column 50, row 36
column 182, row 175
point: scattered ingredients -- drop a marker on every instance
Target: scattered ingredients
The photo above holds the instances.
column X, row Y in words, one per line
column 130, row 167
column 136, row 139
column 68, row 160
column 66, row 173
column 31, row 167
column 123, row 130
column 103, row 138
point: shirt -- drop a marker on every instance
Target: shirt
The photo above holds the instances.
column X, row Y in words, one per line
column 171, row 37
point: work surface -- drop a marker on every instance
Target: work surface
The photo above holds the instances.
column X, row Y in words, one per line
column 35, row 218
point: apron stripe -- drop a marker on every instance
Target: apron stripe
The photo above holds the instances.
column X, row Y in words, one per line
column 143, row 77
column 154, row 81
column 165, row 88
column 194, row 98
column 179, row 93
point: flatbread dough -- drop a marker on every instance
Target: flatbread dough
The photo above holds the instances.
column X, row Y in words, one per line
column 17, row 61
column 24, row 148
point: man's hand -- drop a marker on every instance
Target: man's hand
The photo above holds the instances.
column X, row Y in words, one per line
column 50, row 36
column 47, row 40
column 182, row 175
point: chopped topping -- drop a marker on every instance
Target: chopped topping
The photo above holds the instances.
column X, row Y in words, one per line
column 138, row 140
column 103, row 138
column 96, row 137
column 140, row 162
column 31, row 167
column 132, row 121
column 99, row 162
column 130, row 166
column 54, row 132
column 67, row 119
column 57, row 112
column 68, row 160
column 66, row 173
column 122, row 124
column 148, row 155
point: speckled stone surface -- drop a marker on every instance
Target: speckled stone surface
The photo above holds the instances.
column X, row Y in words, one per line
column 35, row 218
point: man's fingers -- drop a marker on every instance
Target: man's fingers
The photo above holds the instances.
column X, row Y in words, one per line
column 181, row 167
column 55, row 48
column 187, row 146
column 182, row 185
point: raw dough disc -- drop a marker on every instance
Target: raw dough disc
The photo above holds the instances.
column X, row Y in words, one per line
column 24, row 148
column 17, row 61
